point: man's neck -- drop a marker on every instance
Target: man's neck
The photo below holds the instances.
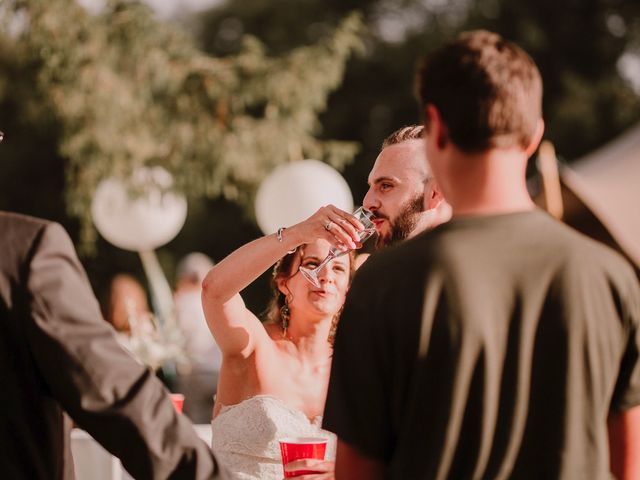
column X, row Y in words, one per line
column 492, row 182
column 431, row 219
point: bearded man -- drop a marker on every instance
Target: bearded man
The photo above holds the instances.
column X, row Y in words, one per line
column 403, row 195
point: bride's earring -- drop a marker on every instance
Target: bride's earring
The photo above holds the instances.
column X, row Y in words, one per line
column 284, row 317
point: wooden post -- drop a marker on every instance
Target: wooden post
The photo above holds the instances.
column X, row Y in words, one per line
column 547, row 164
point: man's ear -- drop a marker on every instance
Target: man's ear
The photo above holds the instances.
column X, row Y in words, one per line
column 437, row 131
column 433, row 195
column 535, row 140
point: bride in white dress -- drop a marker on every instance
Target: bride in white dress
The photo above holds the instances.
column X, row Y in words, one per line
column 274, row 376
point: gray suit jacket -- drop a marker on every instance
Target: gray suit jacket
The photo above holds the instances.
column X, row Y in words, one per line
column 57, row 354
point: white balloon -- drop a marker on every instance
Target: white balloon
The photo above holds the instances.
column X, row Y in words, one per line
column 139, row 223
column 296, row 190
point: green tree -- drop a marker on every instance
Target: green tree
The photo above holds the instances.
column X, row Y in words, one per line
column 376, row 96
column 577, row 45
column 128, row 91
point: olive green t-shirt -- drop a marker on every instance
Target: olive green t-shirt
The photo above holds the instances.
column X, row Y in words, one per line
column 490, row 347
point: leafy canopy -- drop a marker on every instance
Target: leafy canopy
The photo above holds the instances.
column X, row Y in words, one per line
column 130, row 91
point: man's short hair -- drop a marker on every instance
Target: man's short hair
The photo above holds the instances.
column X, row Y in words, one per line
column 411, row 132
column 488, row 91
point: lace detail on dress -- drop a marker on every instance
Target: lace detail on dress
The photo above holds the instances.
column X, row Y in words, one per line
column 245, row 436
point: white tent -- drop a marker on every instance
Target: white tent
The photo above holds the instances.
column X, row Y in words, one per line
column 607, row 181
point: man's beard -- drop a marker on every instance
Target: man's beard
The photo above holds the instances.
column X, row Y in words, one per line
column 404, row 224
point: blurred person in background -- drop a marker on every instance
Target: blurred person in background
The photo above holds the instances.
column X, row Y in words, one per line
column 126, row 302
column 126, row 307
column 199, row 382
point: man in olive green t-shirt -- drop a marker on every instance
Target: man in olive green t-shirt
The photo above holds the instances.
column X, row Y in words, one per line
column 499, row 344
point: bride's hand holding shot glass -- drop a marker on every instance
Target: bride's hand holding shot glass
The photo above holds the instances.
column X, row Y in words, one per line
column 345, row 231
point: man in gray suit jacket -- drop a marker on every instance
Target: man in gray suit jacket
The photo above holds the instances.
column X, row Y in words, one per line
column 58, row 355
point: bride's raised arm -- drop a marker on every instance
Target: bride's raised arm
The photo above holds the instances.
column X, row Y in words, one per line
column 234, row 327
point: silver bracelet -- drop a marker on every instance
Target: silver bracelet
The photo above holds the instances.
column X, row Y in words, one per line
column 279, row 237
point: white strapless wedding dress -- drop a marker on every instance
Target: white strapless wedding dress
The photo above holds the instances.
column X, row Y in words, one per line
column 245, row 436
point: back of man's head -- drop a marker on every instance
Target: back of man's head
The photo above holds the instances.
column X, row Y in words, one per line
column 487, row 90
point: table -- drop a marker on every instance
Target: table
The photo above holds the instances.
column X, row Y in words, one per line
column 92, row 462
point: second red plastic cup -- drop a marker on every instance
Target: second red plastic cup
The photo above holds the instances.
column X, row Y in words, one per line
column 178, row 401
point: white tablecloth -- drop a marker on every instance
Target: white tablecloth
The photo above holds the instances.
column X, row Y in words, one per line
column 92, row 462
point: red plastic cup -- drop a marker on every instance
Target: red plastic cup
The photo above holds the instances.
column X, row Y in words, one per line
column 178, row 401
column 296, row 448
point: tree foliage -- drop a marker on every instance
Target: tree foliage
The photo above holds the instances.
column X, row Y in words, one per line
column 577, row 44
column 129, row 91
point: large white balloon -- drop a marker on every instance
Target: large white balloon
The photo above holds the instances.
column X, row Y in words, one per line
column 139, row 223
column 294, row 191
